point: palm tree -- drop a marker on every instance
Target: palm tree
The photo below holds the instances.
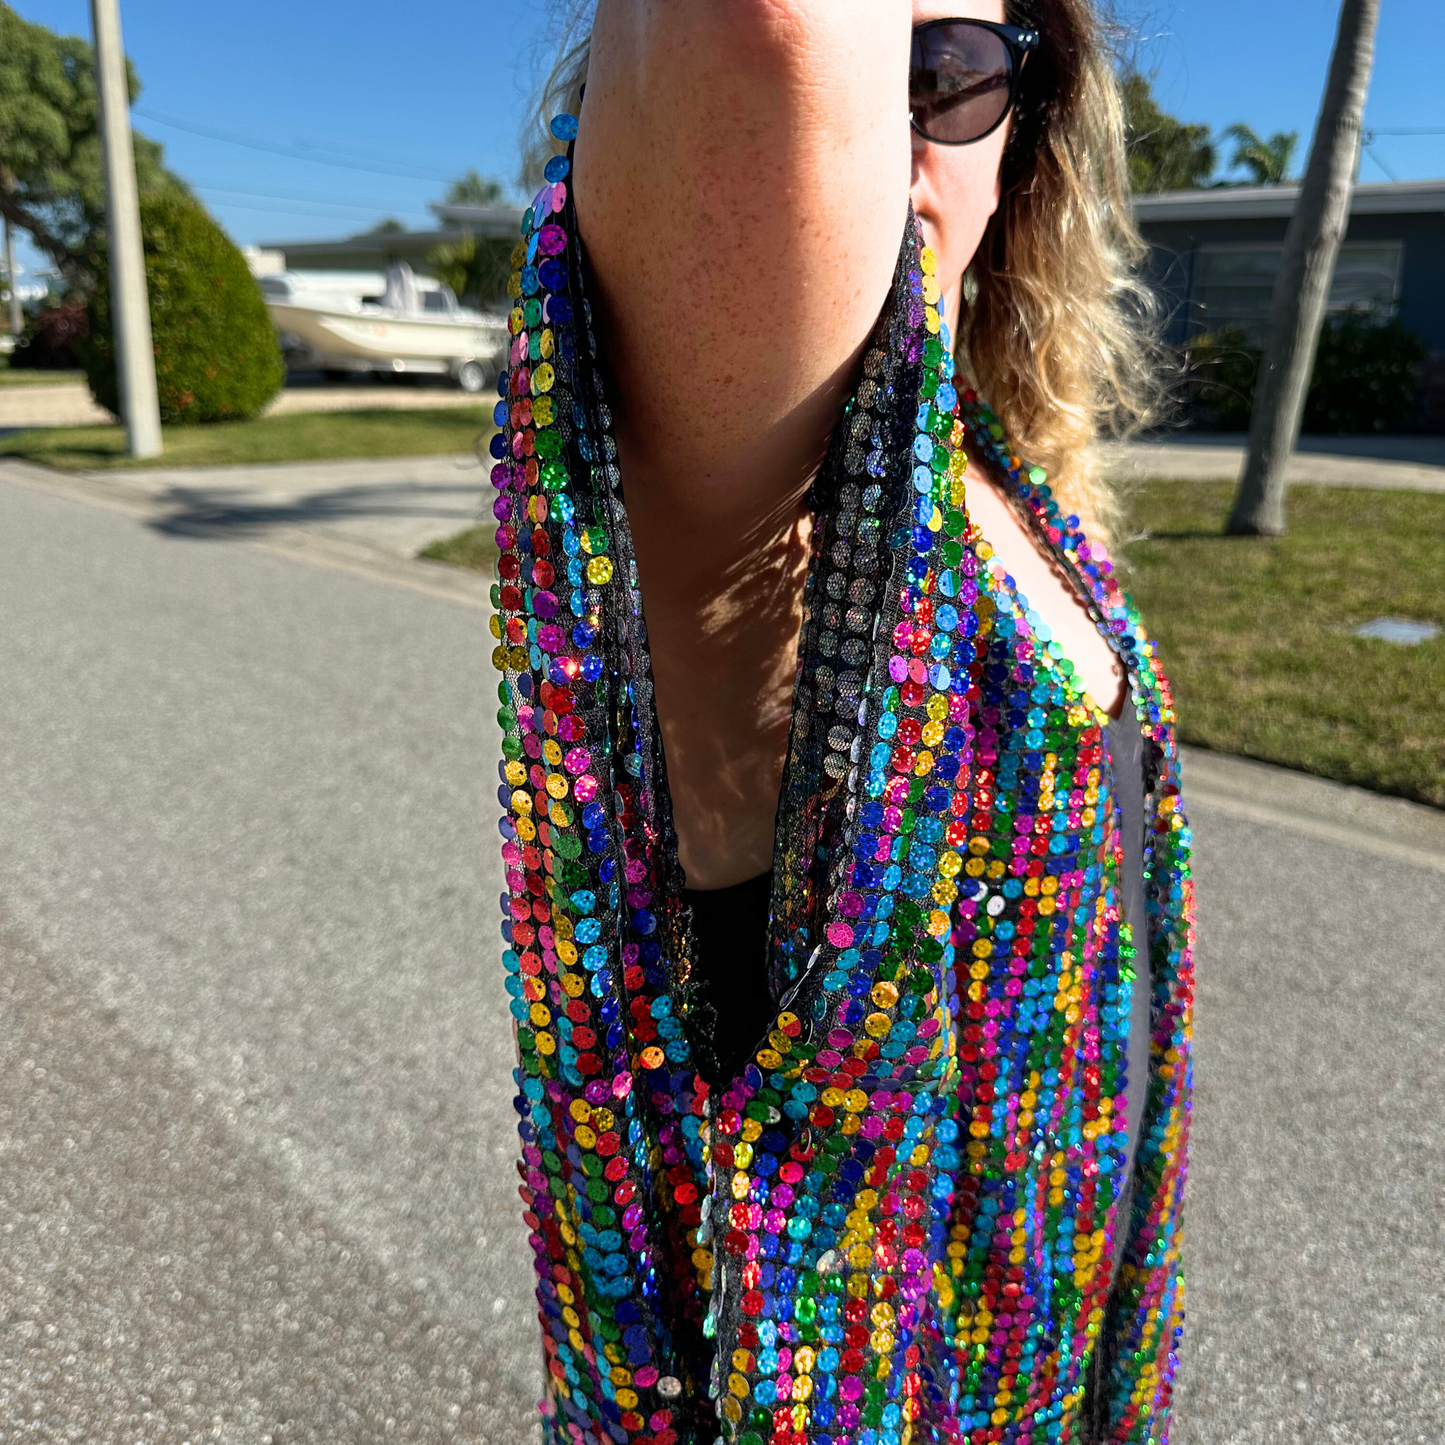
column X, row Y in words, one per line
column 1311, row 247
column 1267, row 161
column 473, row 189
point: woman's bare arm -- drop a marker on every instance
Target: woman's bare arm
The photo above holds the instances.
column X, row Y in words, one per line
column 741, row 180
column 742, row 183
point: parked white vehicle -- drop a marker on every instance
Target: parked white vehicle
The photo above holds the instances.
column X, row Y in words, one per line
column 396, row 322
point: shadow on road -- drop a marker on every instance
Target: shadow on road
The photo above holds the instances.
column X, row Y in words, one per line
column 220, row 515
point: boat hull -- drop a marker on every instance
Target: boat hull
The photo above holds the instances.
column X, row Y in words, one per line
column 379, row 339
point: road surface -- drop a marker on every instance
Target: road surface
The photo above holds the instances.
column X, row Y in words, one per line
column 256, row 1143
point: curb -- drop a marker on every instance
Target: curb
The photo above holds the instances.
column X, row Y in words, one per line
column 1394, row 828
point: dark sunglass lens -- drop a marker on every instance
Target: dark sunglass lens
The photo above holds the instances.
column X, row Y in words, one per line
column 958, row 81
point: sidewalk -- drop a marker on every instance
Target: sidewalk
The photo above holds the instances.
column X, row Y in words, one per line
column 1316, row 808
column 70, row 404
column 1404, row 463
column 1383, row 463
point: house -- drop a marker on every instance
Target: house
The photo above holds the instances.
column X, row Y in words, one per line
column 1215, row 254
column 375, row 250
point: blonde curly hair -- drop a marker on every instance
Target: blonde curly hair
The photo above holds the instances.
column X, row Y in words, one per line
column 1058, row 328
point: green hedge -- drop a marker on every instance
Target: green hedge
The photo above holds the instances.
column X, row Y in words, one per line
column 1363, row 381
column 217, row 357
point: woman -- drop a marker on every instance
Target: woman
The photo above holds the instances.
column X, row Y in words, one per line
column 841, row 1117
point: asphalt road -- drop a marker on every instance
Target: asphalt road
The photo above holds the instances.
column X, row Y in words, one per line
column 256, row 1143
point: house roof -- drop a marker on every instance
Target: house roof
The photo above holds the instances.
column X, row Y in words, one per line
column 374, row 247
column 497, row 223
column 1220, row 203
column 1214, row 203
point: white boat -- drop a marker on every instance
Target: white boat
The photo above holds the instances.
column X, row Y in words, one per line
column 339, row 321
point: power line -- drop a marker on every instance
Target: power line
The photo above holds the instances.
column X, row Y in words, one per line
column 407, row 209
column 355, row 152
column 282, row 210
column 1369, row 134
column 1374, row 155
column 294, row 153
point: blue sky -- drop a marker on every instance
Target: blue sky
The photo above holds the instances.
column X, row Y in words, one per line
column 329, row 96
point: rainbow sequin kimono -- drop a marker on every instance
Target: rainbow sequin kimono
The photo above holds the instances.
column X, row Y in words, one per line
column 907, row 1220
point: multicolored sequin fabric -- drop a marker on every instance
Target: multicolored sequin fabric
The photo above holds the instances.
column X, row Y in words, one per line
column 914, row 1215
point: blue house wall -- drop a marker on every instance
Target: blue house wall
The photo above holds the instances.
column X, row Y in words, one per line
column 1174, row 245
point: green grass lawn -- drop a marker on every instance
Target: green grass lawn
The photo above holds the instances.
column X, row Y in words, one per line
column 300, row 436
column 476, row 548
column 30, row 376
column 1255, row 636
column 1255, row 633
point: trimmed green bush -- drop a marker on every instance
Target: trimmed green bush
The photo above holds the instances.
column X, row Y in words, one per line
column 217, row 357
column 1364, row 377
column 1222, row 371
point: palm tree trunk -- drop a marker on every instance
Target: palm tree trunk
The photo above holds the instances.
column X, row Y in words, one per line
column 1311, row 246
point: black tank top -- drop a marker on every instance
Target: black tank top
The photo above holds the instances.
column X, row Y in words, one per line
column 731, row 928
column 1126, row 750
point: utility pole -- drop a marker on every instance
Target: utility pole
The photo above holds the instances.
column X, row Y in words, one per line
column 1311, row 248
column 16, row 320
column 130, row 312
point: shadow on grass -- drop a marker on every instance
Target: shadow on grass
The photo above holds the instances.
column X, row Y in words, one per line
column 1196, row 534
column 100, row 456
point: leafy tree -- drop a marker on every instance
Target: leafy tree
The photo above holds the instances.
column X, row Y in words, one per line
column 1164, row 153
column 1223, row 368
column 52, row 178
column 473, row 189
column 387, row 226
column 1365, row 375
column 217, row 357
column 52, row 339
column 476, row 269
column 1267, row 161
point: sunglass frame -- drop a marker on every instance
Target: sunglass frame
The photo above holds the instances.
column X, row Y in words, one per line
column 1018, row 42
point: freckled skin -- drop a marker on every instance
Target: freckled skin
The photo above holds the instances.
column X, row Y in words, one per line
column 743, row 174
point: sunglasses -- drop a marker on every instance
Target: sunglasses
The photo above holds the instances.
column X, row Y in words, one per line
column 963, row 78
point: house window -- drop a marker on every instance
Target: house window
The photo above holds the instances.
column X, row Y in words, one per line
column 1233, row 284
column 1367, row 275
